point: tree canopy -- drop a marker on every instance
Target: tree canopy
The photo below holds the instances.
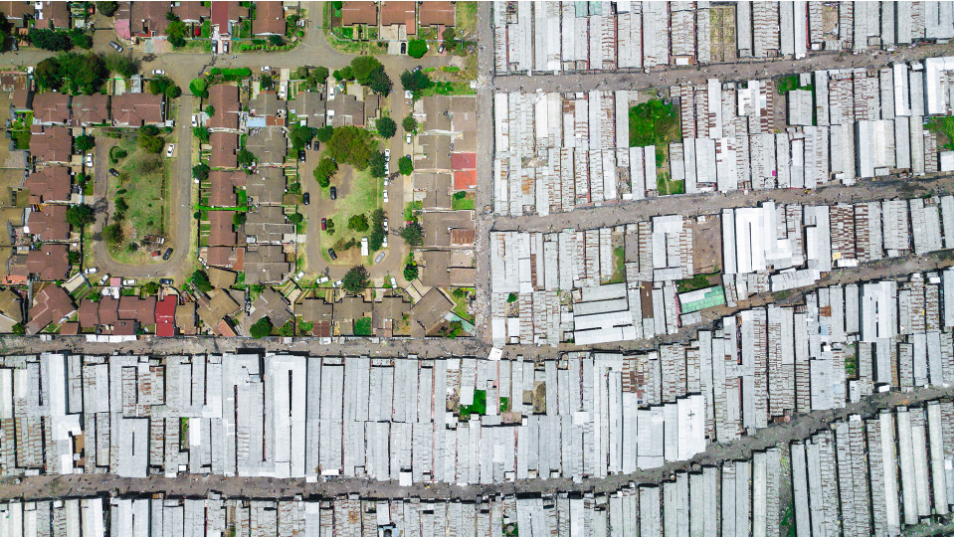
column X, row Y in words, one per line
column 376, row 237
column 363, row 67
column 324, row 133
column 107, row 9
column 113, row 234
column 85, row 142
column 351, row 145
column 413, row 234
column 416, row 48
column 358, row 222
column 325, row 170
column 380, row 83
column 201, row 281
column 261, row 328
column 356, row 280
column 301, row 136
column 415, row 81
column 54, row 40
column 122, row 65
column 386, row 127
column 405, row 165
column 80, row 215
column 409, row 123
column 376, row 164
column 410, row 272
column 76, row 73
column 201, row 171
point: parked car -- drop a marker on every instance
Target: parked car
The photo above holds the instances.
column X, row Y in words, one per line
column 387, row 154
column 440, row 49
column 301, row 155
column 338, row 284
column 384, row 242
column 403, row 48
column 387, row 172
column 332, row 254
column 116, row 46
column 170, row 150
column 315, row 145
column 113, row 172
column 334, row 193
column 407, row 138
column 167, row 254
column 104, row 279
column 306, row 198
column 322, row 280
column 378, row 258
column 195, row 120
column 324, row 224
column 417, row 69
column 91, row 270
column 165, row 281
column 385, row 195
column 130, row 281
column 158, row 72
column 385, row 225
column 89, row 160
column 393, row 282
column 299, row 275
column 266, row 68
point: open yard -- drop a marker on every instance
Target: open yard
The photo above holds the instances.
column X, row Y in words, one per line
column 467, row 19
column 653, row 123
column 358, row 193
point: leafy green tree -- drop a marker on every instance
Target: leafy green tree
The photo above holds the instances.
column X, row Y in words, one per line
column 150, row 130
column 261, row 328
column 413, row 234
column 177, row 31
column 415, row 81
column 266, row 82
column 376, row 164
column 210, row 110
column 239, row 218
column 199, row 87
column 287, row 330
column 325, row 170
column 81, row 39
column 171, row 16
column 380, row 83
column 113, row 234
column 173, row 91
column 351, row 145
column 121, row 205
column 345, row 73
column 107, row 9
column 245, row 157
column 18, row 329
column 317, row 76
column 122, row 65
column 416, row 48
column 358, row 222
column 50, row 39
column 150, row 288
column 363, row 67
column 201, row 171
column 409, row 123
column 74, row 257
column 85, row 142
column 356, row 280
column 202, row 133
column 149, row 143
column 405, row 165
column 80, row 216
column 386, row 127
column 325, row 133
column 201, row 281
column 276, row 40
column 295, row 218
column 376, row 237
column 410, row 272
column 451, row 43
column 301, row 136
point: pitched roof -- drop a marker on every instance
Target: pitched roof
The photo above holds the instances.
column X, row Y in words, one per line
column 57, row 13
column 51, row 183
column 224, row 146
column 52, row 144
column 399, row 13
column 166, row 316
column 465, row 179
column 50, row 305
column 463, row 277
column 270, row 303
column 108, row 310
column 430, row 309
column 148, row 19
column 220, row 232
column 11, row 304
column 311, row 106
column 142, row 310
column 192, row 10
column 49, row 223
column 221, row 305
column 70, row 329
column 223, row 12
column 266, row 186
column 269, row 19
column 389, row 311
column 137, row 109
column 50, row 262
column 222, row 278
column 91, row 109
column 463, row 161
column 267, row 224
column 17, row 9
column 51, row 107
column 185, row 318
column 435, row 272
column 359, row 13
column 225, row 100
column 223, row 184
column 269, row 145
column 435, row 12
column 266, row 264
column 226, row 257
column 314, row 310
column 88, row 313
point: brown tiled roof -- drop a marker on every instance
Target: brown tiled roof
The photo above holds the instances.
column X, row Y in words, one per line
column 108, row 310
column 223, row 186
column 50, row 305
column 435, row 268
column 148, row 19
column 222, row 278
column 185, row 318
column 133, row 308
column 221, row 233
column 224, row 328
column 221, row 305
column 50, row 262
column 17, row 9
column 359, row 13
column 52, row 107
column 462, row 237
column 266, row 186
column 270, row 304
column 266, row 264
column 52, row 144
column 225, row 100
column 351, row 308
column 391, row 309
column 91, row 109
column 192, row 11
column 226, row 257
column 314, row 310
column 89, row 313
column 430, row 309
column 268, row 224
column 224, row 145
column 51, row 183
column 137, row 109
column 223, row 12
column 58, row 12
column 399, row 13
column 463, row 277
column 49, row 223
column 269, row 19
column 69, row 329
column 435, row 12
column 11, row 305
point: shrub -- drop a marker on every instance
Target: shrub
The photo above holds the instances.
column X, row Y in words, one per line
column 210, row 110
column 202, row 133
column 85, row 142
column 261, row 328
column 201, row 171
column 409, row 123
column 239, row 218
column 415, row 81
column 113, row 234
column 410, row 272
column 276, row 40
column 416, row 48
column 107, row 9
column 287, row 330
column 199, row 87
column 358, row 222
column 325, row 133
column 376, row 164
column 74, row 257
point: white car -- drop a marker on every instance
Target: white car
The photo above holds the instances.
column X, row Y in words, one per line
column 385, row 225
column 91, row 270
column 195, row 120
column 129, row 282
column 387, row 154
column 104, row 279
column 384, row 242
column 299, row 275
column 266, row 68
column 322, row 280
column 89, row 160
column 170, row 150
column 408, row 138
column 385, row 195
column 337, row 284
column 158, row 72
column 393, row 282
column 387, row 171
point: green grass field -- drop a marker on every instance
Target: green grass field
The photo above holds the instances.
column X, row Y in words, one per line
column 653, row 123
column 363, row 197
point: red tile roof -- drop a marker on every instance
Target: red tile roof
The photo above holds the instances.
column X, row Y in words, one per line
column 108, row 310
column 52, row 144
column 434, row 12
column 51, row 183
column 399, row 13
column 359, row 13
column 226, row 257
column 88, row 314
column 143, row 310
column 137, row 109
column 50, row 262
column 225, row 100
column 223, row 187
column 220, row 232
column 51, row 304
column 224, row 145
column 148, row 19
column 269, row 19
column 192, row 11
column 50, row 107
column 463, row 161
column 49, row 223
column 166, row 316
column 223, row 12
column 465, row 179
column 90, row 109
column 70, row 329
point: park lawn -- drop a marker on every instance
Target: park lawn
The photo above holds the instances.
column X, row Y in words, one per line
column 145, row 191
column 363, row 197
column 653, row 123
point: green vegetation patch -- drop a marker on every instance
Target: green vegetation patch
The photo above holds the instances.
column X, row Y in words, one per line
column 788, row 83
column 667, row 186
column 653, row 123
column 699, row 281
column 362, row 326
column 943, row 127
column 462, row 203
column 478, row 407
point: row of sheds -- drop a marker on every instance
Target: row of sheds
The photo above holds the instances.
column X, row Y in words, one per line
column 607, row 36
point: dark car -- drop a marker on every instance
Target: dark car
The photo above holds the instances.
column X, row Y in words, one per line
column 315, row 146
column 306, row 198
column 167, row 254
column 301, row 155
column 403, row 48
column 165, row 281
column 113, row 172
column 334, row 193
column 332, row 254
column 324, row 224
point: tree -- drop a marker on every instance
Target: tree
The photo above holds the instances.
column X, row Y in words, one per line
column 125, row 66
column 358, row 222
column 74, row 257
column 173, row 91
column 201, row 281
column 199, row 87
column 295, row 218
column 409, row 123
column 410, row 272
column 81, row 39
column 239, row 218
column 345, row 73
column 266, row 82
column 80, row 216
column 150, row 288
column 386, row 127
column 325, row 170
column 380, row 83
column 317, row 76
column 287, row 330
column 355, row 280
column 450, row 40
column 113, row 234
column 121, row 205
column 132, row 247
column 202, row 133
column 261, row 328
column 85, row 142
column 245, row 157
column 415, row 81
column 405, row 166
column 210, row 110
column 171, row 16
column 50, row 39
column 177, row 32
column 416, row 48
column 351, row 145
column 413, row 234
column 376, row 237
column 363, row 67
column 325, row 133
column 151, row 130
column 18, row 329
column 377, row 164
column 200, row 171
column 301, row 136
column 107, row 9
column 276, row 40
column 150, row 143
